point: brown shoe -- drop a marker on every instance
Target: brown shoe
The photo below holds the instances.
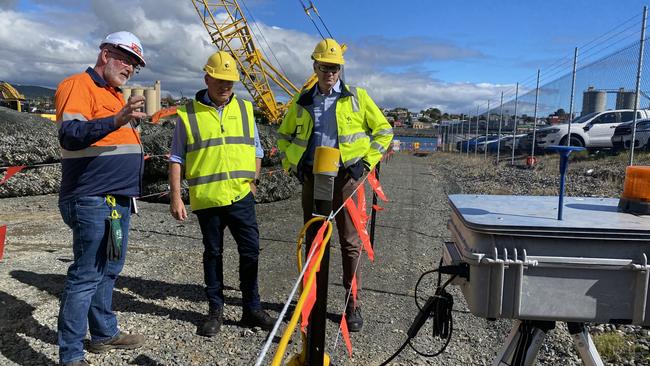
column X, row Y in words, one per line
column 121, row 341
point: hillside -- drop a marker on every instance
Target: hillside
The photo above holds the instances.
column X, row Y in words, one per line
column 32, row 91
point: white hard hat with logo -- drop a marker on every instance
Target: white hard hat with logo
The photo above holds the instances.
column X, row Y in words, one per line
column 128, row 42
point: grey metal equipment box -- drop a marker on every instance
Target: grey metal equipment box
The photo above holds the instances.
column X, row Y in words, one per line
column 525, row 264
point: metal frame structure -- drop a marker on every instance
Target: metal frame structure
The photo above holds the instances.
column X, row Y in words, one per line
column 234, row 35
column 9, row 94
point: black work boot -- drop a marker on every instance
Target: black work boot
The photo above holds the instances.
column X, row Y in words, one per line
column 257, row 318
column 353, row 319
column 212, row 325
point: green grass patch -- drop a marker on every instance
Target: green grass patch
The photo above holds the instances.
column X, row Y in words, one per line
column 614, row 346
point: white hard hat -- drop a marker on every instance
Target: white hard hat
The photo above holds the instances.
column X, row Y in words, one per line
column 128, row 42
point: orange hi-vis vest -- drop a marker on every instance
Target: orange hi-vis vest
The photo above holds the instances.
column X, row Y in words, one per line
column 96, row 157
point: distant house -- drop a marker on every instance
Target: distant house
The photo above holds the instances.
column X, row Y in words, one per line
column 422, row 125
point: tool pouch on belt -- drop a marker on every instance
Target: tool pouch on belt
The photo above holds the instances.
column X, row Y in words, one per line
column 114, row 244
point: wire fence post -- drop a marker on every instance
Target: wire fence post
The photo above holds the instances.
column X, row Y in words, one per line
column 638, row 86
column 462, row 129
column 487, row 130
column 532, row 148
column 500, row 122
column 514, row 126
column 477, row 134
column 573, row 86
column 469, row 131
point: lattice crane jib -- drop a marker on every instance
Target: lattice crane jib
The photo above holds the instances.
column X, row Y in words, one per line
column 230, row 32
column 9, row 94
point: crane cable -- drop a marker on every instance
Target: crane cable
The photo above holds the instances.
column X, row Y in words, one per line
column 250, row 14
column 313, row 7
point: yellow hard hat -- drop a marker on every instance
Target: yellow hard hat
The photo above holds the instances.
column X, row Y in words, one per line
column 222, row 66
column 328, row 50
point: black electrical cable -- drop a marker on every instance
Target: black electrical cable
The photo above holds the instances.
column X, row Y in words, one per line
column 439, row 306
column 417, row 284
column 399, row 350
column 443, row 324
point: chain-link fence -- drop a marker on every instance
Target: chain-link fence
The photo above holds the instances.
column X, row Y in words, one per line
column 586, row 99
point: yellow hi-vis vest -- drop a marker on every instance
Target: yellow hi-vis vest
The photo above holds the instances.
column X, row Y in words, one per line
column 363, row 131
column 220, row 152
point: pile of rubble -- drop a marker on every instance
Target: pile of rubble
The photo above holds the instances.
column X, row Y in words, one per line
column 31, row 141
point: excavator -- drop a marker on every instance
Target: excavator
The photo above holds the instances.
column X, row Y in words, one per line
column 10, row 96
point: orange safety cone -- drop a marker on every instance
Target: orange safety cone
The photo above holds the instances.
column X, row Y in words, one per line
column 531, row 161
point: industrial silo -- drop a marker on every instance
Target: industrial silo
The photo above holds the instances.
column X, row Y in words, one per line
column 151, row 101
column 156, row 86
column 625, row 99
column 137, row 91
column 127, row 93
column 593, row 101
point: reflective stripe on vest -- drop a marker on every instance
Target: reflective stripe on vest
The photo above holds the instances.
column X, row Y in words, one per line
column 199, row 144
column 93, row 151
column 355, row 99
column 348, row 139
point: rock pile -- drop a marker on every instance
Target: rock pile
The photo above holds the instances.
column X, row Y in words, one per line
column 29, row 140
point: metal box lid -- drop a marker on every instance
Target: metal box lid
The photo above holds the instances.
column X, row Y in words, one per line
column 537, row 216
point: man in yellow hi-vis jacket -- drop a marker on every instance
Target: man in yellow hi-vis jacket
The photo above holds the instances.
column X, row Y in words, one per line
column 335, row 115
column 217, row 142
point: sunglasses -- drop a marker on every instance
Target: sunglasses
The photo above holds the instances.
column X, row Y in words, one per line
column 327, row 68
column 125, row 60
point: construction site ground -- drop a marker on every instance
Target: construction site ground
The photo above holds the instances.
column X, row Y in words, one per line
column 160, row 292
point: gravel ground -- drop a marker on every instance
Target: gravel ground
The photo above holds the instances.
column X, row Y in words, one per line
column 160, row 292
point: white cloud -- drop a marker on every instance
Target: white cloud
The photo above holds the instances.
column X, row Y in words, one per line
column 43, row 47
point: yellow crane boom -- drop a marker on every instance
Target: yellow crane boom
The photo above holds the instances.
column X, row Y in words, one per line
column 11, row 95
column 233, row 35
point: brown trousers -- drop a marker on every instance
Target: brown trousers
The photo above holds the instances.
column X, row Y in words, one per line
column 349, row 240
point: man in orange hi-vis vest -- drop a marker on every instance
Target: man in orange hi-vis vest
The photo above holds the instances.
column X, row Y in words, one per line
column 102, row 164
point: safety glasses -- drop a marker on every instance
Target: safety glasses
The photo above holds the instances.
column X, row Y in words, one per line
column 125, row 60
column 328, row 68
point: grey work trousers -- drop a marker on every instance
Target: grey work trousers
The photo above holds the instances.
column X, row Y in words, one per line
column 349, row 240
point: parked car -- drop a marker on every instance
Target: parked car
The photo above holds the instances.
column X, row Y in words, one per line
column 463, row 145
column 623, row 135
column 506, row 143
column 490, row 143
column 593, row 130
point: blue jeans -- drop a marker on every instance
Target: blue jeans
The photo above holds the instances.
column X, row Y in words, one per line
column 240, row 218
column 87, row 298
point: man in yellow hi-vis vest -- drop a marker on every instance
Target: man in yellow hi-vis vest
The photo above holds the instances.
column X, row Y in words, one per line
column 217, row 143
column 333, row 115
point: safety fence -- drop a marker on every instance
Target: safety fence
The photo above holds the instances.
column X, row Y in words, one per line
column 596, row 97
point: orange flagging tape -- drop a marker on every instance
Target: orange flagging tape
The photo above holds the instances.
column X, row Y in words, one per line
column 346, row 335
column 11, row 171
column 3, row 236
column 361, row 229
column 374, row 183
column 311, row 298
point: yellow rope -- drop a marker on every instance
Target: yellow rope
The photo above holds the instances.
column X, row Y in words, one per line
column 279, row 353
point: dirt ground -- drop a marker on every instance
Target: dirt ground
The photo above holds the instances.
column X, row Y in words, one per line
column 160, row 292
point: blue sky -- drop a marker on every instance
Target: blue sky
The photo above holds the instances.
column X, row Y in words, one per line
column 418, row 54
